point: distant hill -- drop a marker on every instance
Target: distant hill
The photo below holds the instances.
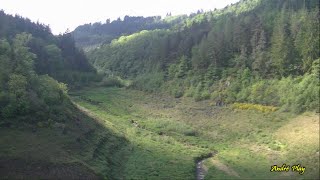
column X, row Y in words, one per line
column 93, row 35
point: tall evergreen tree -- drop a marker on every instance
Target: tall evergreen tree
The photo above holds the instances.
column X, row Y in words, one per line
column 183, row 67
column 259, row 55
column 283, row 54
column 307, row 37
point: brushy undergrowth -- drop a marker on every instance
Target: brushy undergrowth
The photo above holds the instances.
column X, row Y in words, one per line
column 262, row 108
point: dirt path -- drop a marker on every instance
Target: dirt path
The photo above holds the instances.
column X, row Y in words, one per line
column 201, row 169
column 224, row 168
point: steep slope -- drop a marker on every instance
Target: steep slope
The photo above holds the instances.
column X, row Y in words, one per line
column 77, row 147
column 43, row 134
column 30, row 58
column 253, row 51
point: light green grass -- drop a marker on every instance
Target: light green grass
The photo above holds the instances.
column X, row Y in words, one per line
column 167, row 136
column 153, row 155
column 178, row 130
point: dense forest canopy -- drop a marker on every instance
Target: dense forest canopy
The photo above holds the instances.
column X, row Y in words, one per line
column 89, row 36
column 32, row 60
column 56, row 56
column 261, row 49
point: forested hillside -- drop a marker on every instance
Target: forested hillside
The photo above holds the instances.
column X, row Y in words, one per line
column 56, row 56
column 89, row 36
column 39, row 124
column 264, row 52
column 32, row 62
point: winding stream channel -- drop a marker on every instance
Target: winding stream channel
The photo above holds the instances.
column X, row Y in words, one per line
column 200, row 168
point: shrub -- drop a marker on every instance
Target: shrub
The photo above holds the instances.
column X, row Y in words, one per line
column 190, row 92
column 205, row 95
column 177, row 93
column 197, row 97
column 150, row 82
column 190, row 132
column 51, row 91
column 258, row 107
column 112, row 82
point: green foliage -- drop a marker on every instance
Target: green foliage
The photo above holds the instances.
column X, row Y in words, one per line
column 112, row 82
column 306, row 37
column 294, row 94
column 133, row 61
column 315, row 70
column 25, row 97
column 264, row 54
column 212, row 75
column 177, row 93
column 167, row 135
column 148, row 82
column 183, row 67
column 18, row 99
column 23, row 59
column 172, row 71
column 6, row 64
column 34, row 49
column 283, row 54
column 245, row 106
column 95, row 34
column 253, row 51
column 200, row 92
column 51, row 91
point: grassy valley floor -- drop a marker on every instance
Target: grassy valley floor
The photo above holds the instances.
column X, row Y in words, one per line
column 167, row 135
column 114, row 133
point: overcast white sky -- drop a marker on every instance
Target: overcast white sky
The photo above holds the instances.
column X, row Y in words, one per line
column 63, row 14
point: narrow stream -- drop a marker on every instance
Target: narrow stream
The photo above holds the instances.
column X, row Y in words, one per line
column 200, row 170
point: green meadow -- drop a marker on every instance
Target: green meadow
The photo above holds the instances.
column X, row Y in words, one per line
column 164, row 136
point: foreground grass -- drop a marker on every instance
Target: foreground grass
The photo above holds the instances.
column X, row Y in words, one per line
column 168, row 134
column 70, row 149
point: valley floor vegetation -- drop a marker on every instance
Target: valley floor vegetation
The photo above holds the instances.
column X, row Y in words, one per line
column 167, row 136
column 129, row 134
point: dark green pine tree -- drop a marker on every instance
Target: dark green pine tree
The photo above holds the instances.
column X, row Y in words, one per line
column 283, row 54
column 211, row 75
column 307, row 37
column 260, row 64
column 5, row 61
column 183, row 67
